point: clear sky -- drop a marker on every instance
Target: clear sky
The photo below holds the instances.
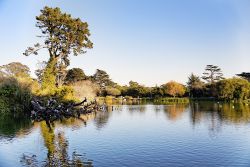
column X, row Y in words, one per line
column 148, row 41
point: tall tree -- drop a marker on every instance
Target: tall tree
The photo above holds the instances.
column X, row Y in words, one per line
column 212, row 74
column 74, row 75
column 62, row 35
column 195, row 85
column 102, row 79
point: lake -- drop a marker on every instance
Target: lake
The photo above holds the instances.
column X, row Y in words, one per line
column 195, row 134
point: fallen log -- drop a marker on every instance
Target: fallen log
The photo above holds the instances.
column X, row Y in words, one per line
column 54, row 110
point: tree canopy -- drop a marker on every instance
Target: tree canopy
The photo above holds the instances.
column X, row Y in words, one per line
column 74, row 75
column 14, row 69
column 174, row 89
column 62, row 36
column 102, row 78
column 233, row 88
column 195, row 85
column 212, row 74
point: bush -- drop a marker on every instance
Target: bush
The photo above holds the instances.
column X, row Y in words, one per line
column 86, row 89
column 15, row 95
column 112, row 91
column 65, row 93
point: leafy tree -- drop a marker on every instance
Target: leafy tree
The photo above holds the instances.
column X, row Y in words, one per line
column 74, row 75
column 112, row 91
column 245, row 75
column 212, row 74
column 15, row 69
column 195, row 85
column 174, row 89
column 233, row 88
column 157, row 91
column 137, row 90
column 62, row 35
column 102, row 79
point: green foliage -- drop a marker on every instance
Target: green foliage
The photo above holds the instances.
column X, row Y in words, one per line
column 167, row 100
column 157, row 92
column 136, row 90
column 195, row 86
column 62, row 35
column 65, row 94
column 75, row 75
column 102, row 78
column 233, row 88
column 49, row 77
column 212, row 74
column 14, row 96
column 111, row 91
column 14, row 69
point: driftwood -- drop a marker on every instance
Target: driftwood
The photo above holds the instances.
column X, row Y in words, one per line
column 54, row 110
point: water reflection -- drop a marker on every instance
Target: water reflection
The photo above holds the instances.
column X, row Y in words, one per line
column 164, row 132
column 174, row 112
column 215, row 113
column 137, row 108
column 13, row 126
column 223, row 112
column 57, row 151
column 101, row 119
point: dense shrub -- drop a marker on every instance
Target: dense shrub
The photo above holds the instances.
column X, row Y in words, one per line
column 65, row 93
column 112, row 91
column 15, row 95
column 233, row 88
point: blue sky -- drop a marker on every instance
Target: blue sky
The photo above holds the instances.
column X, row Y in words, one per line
column 149, row 41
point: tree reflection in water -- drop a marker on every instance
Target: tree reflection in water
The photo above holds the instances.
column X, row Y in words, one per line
column 223, row 112
column 219, row 114
column 13, row 126
column 57, row 155
column 137, row 108
column 211, row 114
column 101, row 118
column 175, row 111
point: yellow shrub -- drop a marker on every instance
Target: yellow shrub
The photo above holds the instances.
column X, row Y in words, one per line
column 84, row 89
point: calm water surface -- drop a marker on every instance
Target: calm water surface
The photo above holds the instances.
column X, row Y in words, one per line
column 197, row 134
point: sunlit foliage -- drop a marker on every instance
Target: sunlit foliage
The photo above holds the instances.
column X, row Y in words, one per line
column 174, row 89
column 62, row 36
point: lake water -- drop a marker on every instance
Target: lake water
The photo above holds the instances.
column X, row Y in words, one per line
column 197, row 134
